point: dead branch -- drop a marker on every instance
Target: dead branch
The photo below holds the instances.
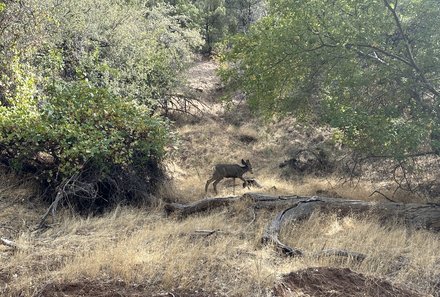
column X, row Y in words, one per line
column 299, row 208
column 182, row 103
column 382, row 194
column 359, row 257
column 199, row 206
column 204, row 233
column 424, row 216
column 70, row 187
column 51, row 210
column 256, row 200
column 8, row 243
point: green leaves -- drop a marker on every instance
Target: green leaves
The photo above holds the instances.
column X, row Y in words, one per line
column 81, row 125
column 357, row 65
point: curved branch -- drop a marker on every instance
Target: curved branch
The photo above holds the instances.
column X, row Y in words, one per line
column 424, row 216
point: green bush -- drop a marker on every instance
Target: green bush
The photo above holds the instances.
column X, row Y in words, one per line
column 81, row 84
column 84, row 131
column 367, row 68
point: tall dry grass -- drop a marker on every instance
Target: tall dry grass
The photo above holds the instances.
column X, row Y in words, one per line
column 403, row 256
column 144, row 247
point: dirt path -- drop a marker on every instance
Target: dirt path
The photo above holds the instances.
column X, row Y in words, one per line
column 202, row 77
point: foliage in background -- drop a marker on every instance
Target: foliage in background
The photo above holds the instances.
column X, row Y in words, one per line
column 369, row 68
column 80, row 84
column 216, row 19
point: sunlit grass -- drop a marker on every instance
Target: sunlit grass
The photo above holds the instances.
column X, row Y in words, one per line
column 138, row 246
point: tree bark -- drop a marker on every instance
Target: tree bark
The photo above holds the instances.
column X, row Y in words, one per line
column 297, row 208
column 419, row 216
column 256, row 200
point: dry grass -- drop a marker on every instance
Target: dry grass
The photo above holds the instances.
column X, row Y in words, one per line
column 393, row 252
column 144, row 247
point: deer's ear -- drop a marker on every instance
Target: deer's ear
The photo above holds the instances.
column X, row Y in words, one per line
column 243, row 162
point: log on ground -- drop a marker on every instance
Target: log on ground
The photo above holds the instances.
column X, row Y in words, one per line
column 418, row 216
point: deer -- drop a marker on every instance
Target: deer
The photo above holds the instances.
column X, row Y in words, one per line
column 234, row 171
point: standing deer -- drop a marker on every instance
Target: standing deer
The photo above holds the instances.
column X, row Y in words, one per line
column 234, row 171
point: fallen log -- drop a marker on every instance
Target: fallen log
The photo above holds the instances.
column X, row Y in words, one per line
column 255, row 200
column 184, row 210
column 298, row 208
column 418, row 216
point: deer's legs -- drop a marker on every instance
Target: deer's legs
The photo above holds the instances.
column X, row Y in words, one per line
column 207, row 183
column 245, row 183
column 215, row 184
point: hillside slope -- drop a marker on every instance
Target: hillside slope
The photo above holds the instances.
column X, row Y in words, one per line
column 226, row 132
column 287, row 154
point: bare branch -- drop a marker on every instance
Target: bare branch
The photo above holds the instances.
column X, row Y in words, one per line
column 383, row 195
column 8, row 243
column 378, row 49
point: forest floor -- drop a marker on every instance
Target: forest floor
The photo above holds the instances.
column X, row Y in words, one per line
column 142, row 252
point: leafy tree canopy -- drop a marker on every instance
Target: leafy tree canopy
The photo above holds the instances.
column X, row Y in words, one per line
column 368, row 68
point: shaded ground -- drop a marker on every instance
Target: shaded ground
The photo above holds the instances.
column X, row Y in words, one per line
column 316, row 282
column 110, row 289
column 337, row 282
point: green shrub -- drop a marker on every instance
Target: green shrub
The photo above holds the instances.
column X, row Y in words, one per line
column 85, row 132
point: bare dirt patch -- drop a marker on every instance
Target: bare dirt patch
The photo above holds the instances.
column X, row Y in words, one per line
column 110, row 289
column 336, row 282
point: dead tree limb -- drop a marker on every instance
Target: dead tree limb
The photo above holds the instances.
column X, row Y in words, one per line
column 359, row 257
column 8, row 243
column 419, row 216
column 256, row 200
column 70, row 187
column 52, row 209
column 299, row 208
column 199, row 206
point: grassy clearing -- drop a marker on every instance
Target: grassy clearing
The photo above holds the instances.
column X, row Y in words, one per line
column 139, row 246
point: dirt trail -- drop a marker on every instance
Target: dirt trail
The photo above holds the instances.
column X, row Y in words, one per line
column 202, row 77
column 206, row 87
